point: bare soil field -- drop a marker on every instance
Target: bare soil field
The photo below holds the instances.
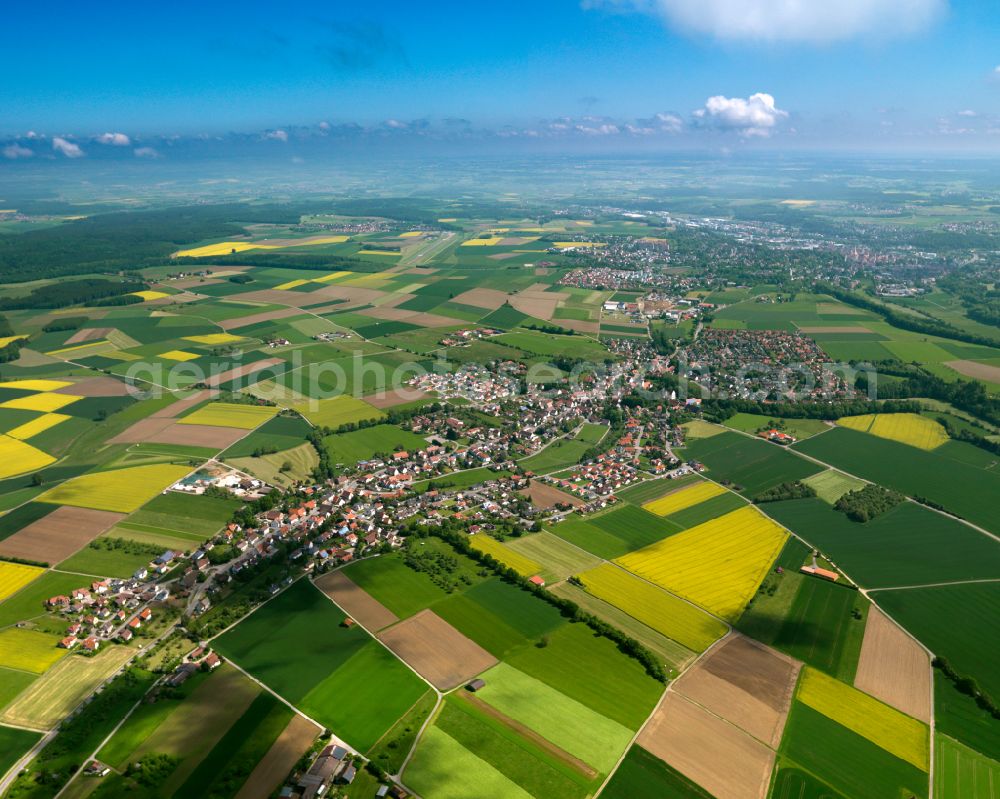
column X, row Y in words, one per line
column 242, row 371
column 353, row 294
column 96, row 387
column 539, row 308
column 834, row 329
column 88, row 334
column 490, row 299
column 280, row 759
column 398, row 396
column 543, row 495
column 580, row 326
column 411, row 317
column 55, row 537
column 980, row 371
column 436, row 650
column 894, row 668
column 173, row 410
column 197, row 435
column 252, row 319
column 745, row 683
column 727, row 763
column 142, row 430
column 502, row 256
column 355, row 601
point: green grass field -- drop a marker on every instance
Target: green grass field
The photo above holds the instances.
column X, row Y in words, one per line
column 943, row 478
column 962, row 773
column 572, row 655
column 349, row 448
column 752, row 422
column 823, row 747
column 644, row 776
column 641, row 493
column 952, row 621
column 908, row 545
column 105, row 562
column 568, row 724
column 831, row 485
column 13, row 744
column 557, row 455
column 958, row 716
column 794, row 783
column 558, row 558
column 28, row 602
column 753, row 464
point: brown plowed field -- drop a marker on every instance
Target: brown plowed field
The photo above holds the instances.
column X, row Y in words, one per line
column 241, row 371
column 980, row 371
column 88, row 334
column 543, row 495
column 197, row 435
column 727, row 763
column 398, row 396
column 410, row 317
column 745, row 683
column 436, row 650
column 175, row 409
column 55, row 537
column 490, row 299
column 538, row 308
column 894, row 668
column 280, row 759
column 96, row 387
column 265, row 316
column 355, row 601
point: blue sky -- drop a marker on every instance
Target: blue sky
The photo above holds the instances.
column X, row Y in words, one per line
column 869, row 72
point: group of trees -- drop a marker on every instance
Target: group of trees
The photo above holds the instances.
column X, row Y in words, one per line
column 791, row 490
column 92, row 291
column 866, row 503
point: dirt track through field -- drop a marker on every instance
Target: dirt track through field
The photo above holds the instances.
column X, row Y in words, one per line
column 894, row 668
column 728, row 763
column 280, row 759
column 436, row 650
column 55, row 537
column 355, row 601
column 745, row 683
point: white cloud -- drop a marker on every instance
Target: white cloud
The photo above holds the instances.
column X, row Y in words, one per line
column 276, row 135
column 968, row 113
column 395, row 124
column 67, row 148
column 14, row 151
column 145, row 152
column 755, row 116
column 114, row 139
column 791, row 20
column 324, row 125
column 604, row 129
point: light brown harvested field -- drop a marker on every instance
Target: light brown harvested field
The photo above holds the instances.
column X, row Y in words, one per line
column 392, row 300
column 194, row 282
column 96, row 387
column 539, row 291
column 355, row 601
column 747, row 684
column 173, row 410
column 88, row 334
column 502, row 256
column 834, row 329
column 197, row 435
column 726, row 762
column 284, row 753
column 353, row 294
column 490, row 299
column 252, row 319
column 55, row 537
column 543, row 495
column 894, row 668
column 436, row 650
column 142, row 430
column 398, row 396
column 242, row 371
column 838, row 308
column 538, row 308
column 579, row 325
column 980, row 371
column 272, row 297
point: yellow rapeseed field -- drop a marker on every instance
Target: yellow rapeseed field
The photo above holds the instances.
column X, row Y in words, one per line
column 219, row 248
column 29, row 650
column 16, row 457
column 43, row 402
column 562, row 245
column 38, row 425
column 230, row 414
column 100, row 347
column 119, row 490
column 14, row 576
column 36, row 385
column 905, row 737
column 491, row 241
column 150, row 295
column 653, row 606
column 179, row 355
column 906, row 428
column 717, row 565
column 214, row 338
column 5, row 340
column 447, row 219
column 523, row 565
column 685, row 498
column 331, row 277
column 411, row 234
column 292, row 284
column 379, row 252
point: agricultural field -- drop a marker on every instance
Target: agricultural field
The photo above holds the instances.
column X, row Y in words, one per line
column 658, row 609
column 615, row 533
column 15, row 576
column 558, row 558
column 684, row 498
column 330, row 660
column 906, row 428
column 643, row 776
column 753, row 422
column 831, row 485
column 228, row 414
column 717, row 565
column 364, row 444
column 960, row 772
column 508, row 556
column 29, row 650
column 752, row 464
column 13, row 744
column 119, row 490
